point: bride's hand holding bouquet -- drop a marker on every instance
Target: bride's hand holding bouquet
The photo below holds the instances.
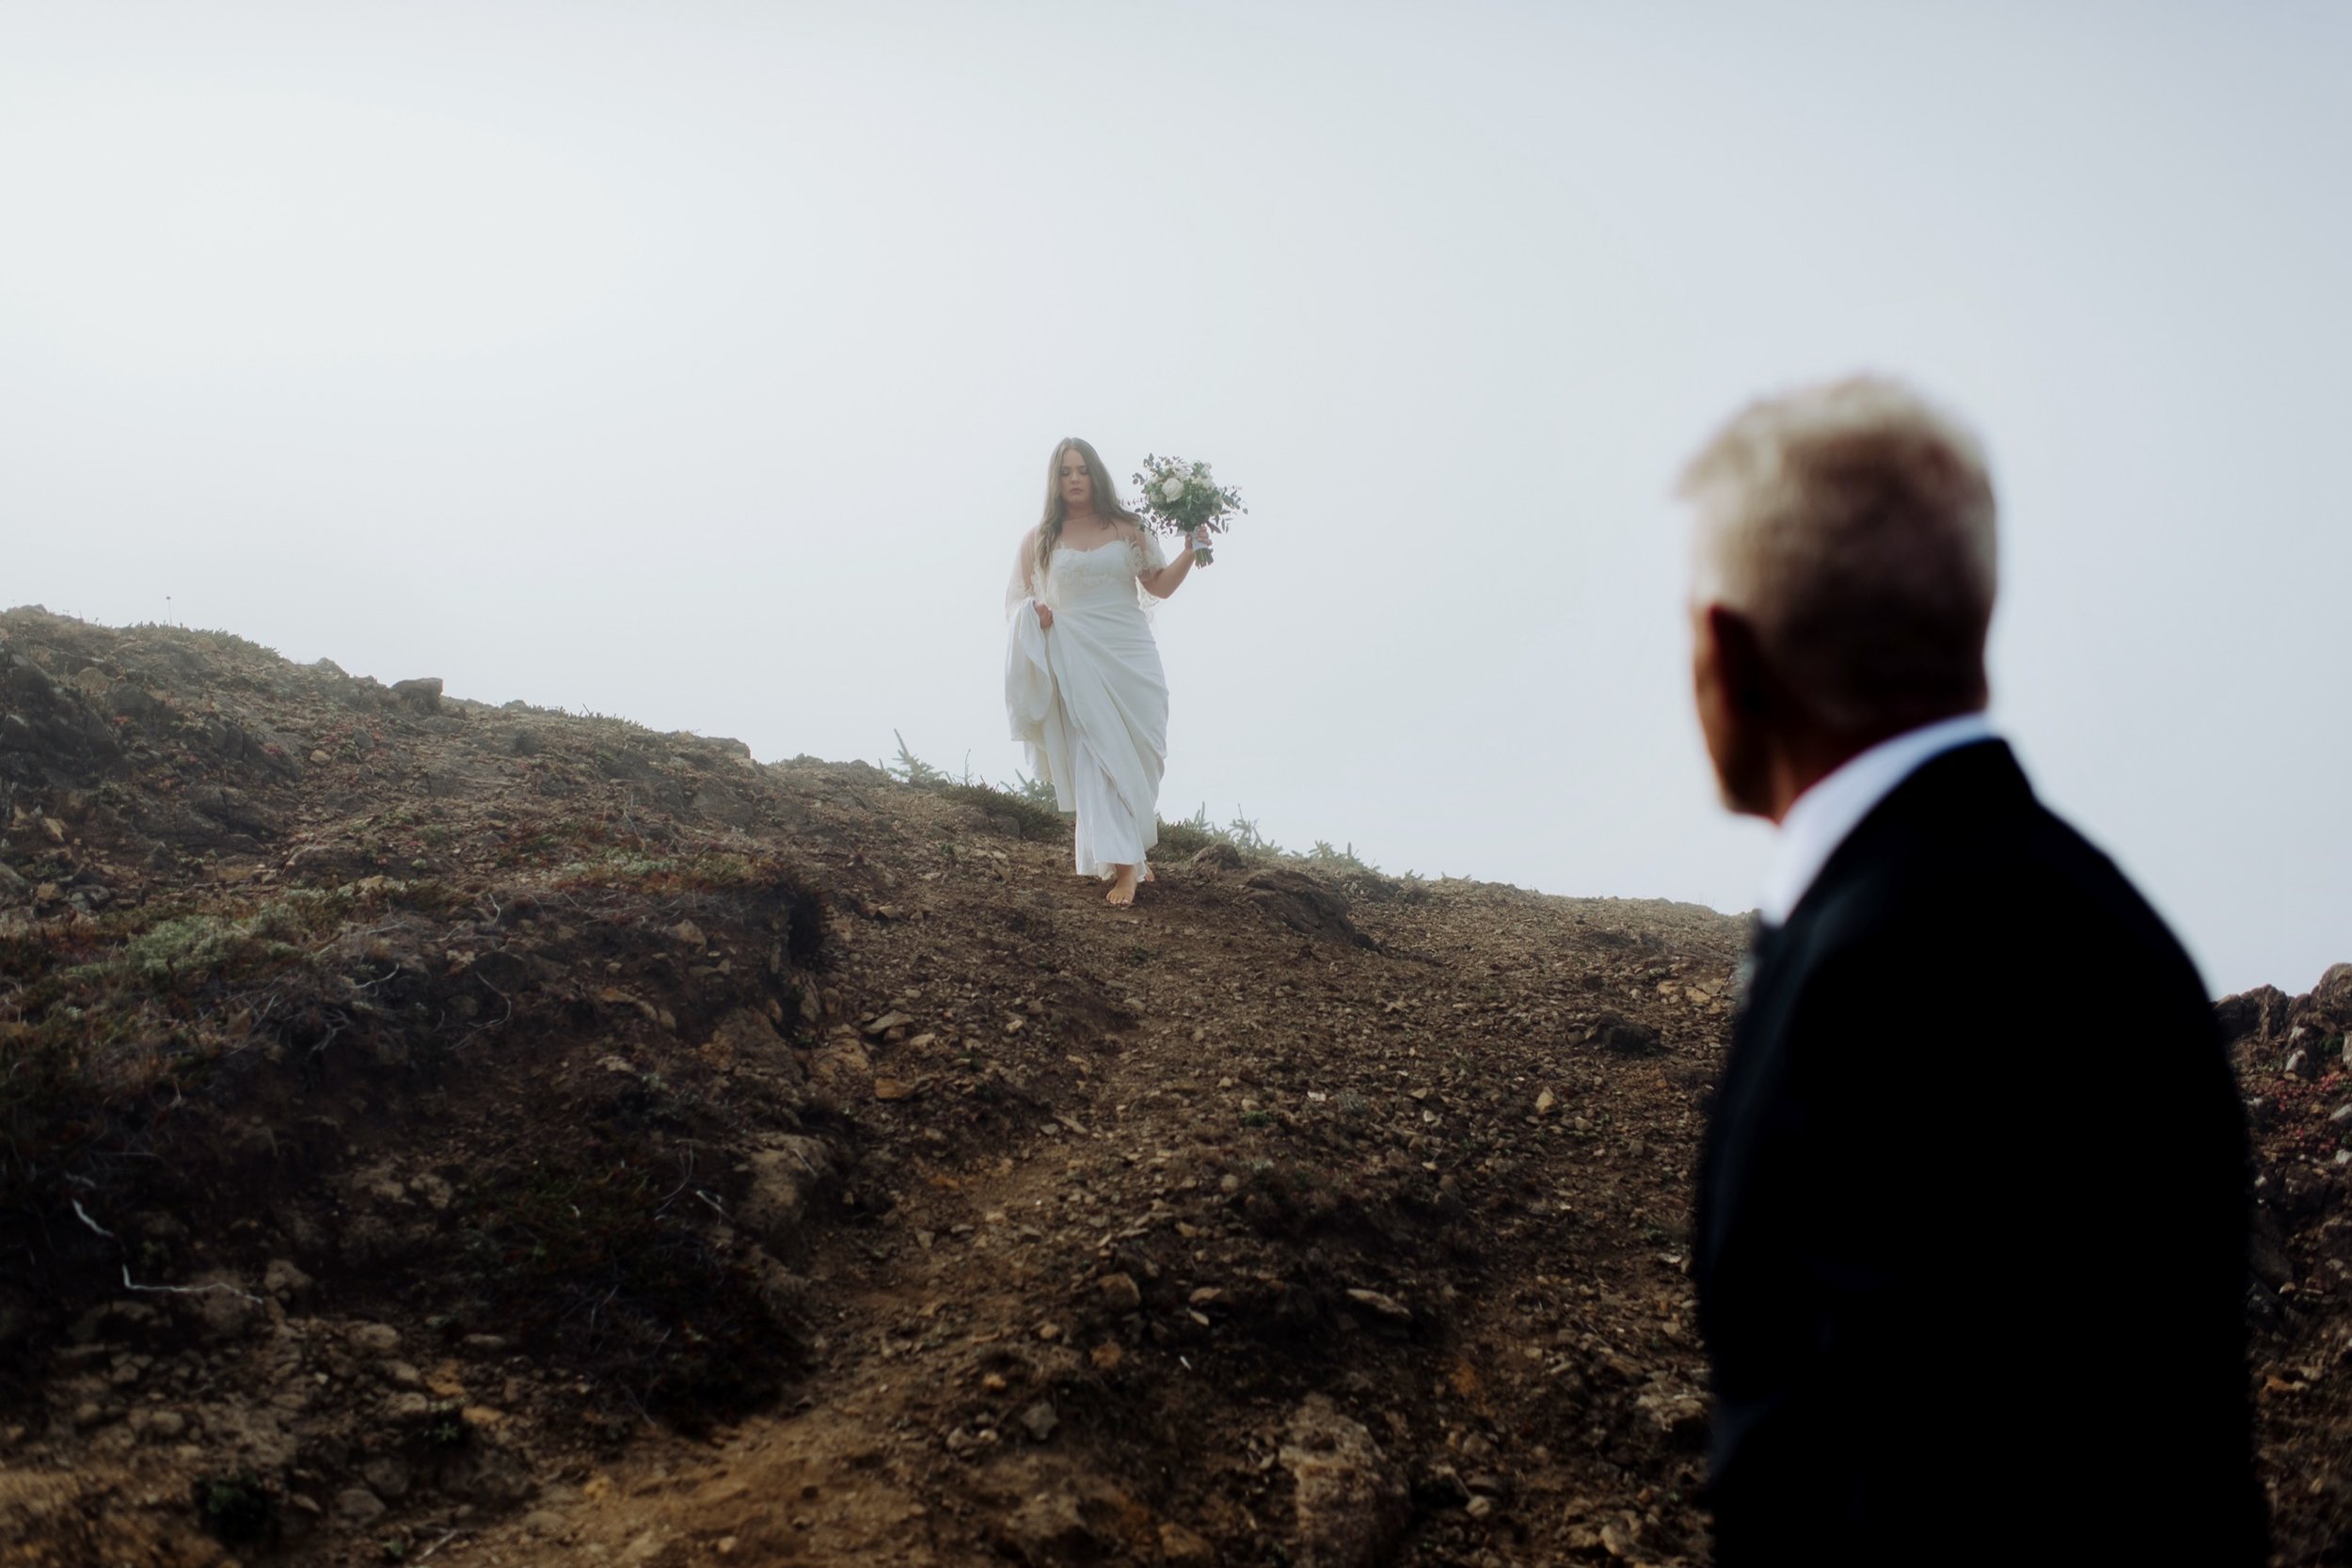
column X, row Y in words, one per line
column 1184, row 499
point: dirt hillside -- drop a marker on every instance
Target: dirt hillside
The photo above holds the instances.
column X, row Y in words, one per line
column 432, row 1129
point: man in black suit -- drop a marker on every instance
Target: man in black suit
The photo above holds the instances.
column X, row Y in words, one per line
column 1971, row 1230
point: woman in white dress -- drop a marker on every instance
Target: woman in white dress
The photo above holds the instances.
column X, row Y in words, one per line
column 1083, row 683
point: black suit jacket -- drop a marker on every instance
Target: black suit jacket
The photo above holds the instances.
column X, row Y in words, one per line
column 1971, row 1251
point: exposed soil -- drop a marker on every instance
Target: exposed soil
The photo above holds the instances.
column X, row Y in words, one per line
column 490, row 1135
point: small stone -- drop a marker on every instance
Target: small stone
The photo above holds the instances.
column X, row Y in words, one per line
column 1180, row 1548
column 1074, row 1522
column 686, row 934
column 375, row 1339
column 1206, row 1296
column 1038, row 1421
column 284, row 1281
column 1120, row 1292
column 1387, row 1306
column 1106, row 1356
column 893, row 1088
column 389, row 1476
column 356, row 1505
column 165, row 1426
column 885, row 1023
column 1480, row 1507
column 1545, row 1101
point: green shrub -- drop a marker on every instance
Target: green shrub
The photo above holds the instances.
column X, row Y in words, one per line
column 1035, row 821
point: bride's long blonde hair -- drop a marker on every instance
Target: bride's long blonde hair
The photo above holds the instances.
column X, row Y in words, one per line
column 1107, row 501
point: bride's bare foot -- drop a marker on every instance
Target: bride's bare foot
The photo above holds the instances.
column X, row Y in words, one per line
column 1123, row 887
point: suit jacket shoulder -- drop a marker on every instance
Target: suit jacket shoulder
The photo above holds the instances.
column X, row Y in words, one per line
column 1973, row 1074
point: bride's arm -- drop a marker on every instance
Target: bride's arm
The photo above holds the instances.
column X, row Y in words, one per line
column 1162, row 581
column 1025, row 579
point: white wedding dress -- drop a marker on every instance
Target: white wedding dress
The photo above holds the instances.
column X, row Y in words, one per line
column 1088, row 697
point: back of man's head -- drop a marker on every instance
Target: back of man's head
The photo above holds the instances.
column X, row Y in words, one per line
column 1852, row 526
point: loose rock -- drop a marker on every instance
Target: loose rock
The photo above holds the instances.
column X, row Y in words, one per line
column 1350, row 1505
column 1120, row 1292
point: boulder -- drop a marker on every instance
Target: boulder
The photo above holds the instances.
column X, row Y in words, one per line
column 50, row 735
column 2257, row 1014
column 1219, row 856
column 2328, row 1008
column 1305, row 904
column 745, row 1039
column 423, row 694
column 1613, row 1032
column 786, row 1178
column 1077, row 1519
column 1350, row 1503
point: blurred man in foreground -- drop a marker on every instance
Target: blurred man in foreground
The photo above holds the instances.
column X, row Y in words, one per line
column 1971, row 1228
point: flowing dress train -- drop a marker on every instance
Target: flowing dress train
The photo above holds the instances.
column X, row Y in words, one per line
column 1090, row 699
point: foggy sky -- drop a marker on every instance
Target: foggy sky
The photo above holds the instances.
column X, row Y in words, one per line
column 700, row 363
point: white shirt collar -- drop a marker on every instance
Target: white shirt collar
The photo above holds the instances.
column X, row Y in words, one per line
column 1824, row 814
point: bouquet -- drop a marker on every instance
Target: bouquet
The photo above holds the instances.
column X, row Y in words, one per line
column 1181, row 498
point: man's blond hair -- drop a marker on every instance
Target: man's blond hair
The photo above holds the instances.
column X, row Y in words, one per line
column 1851, row 524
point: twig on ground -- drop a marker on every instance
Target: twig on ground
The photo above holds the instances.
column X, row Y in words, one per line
column 130, row 1284
column 447, row 1537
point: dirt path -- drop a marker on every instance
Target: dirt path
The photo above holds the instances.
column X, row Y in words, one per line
column 1024, row 1343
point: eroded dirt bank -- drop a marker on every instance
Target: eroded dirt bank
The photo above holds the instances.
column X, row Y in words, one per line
column 432, row 1129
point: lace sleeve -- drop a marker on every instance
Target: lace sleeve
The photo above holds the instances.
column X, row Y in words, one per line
column 1148, row 553
column 1024, row 585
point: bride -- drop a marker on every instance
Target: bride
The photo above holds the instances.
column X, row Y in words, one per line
column 1083, row 685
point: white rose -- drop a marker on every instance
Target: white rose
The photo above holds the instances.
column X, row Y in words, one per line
column 1172, row 489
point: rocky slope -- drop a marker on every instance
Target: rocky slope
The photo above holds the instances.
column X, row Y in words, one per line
column 432, row 1129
